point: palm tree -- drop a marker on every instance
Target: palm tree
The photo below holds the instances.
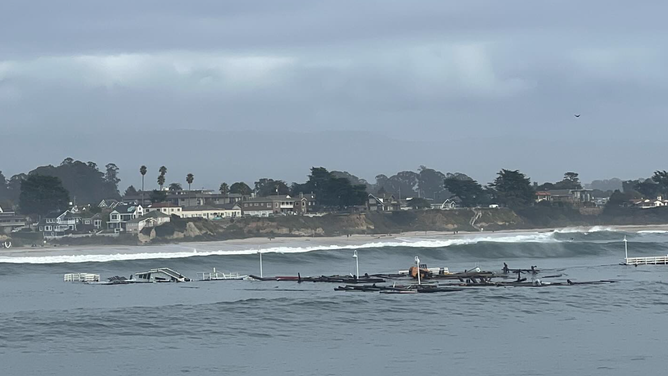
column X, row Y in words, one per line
column 175, row 187
column 189, row 179
column 161, row 178
column 224, row 189
column 142, row 171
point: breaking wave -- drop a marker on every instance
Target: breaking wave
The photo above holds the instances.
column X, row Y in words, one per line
column 413, row 242
column 584, row 230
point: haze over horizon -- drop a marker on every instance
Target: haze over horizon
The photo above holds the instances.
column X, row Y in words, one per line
column 242, row 90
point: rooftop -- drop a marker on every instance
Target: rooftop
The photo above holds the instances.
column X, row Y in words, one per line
column 155, row 214
column 271, row 198
column 163, row 205
column 126, row 209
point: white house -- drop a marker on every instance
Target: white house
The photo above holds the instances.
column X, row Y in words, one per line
column 58, row 223
column 165, row 208
column 123, row 214
column 448, row 204
column 152, row 219
column 9, row 221
column 655, row 203
column 209, row 212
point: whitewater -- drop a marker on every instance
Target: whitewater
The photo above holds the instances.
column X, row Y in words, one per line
column 170, row 251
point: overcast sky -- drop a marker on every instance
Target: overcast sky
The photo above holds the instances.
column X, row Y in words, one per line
column 235, row 90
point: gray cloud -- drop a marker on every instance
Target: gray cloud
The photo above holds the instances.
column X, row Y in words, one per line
column 495, row 81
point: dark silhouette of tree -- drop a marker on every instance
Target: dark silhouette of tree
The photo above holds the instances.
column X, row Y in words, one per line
column 354, row 180
column 240, row 188
column 14, row 186
column 189, row 179
column 468, row 190
column 570, row 181
column 42, row 194
column 331, row 191
column 142, row 170
column 130, row 191
column 513, row 188
column 661, row 179
column 161, row 178
column 648, row 188
column 430, row 183
column 175, row 187
column 224, row 189
column 617, row 199
column 4, row 190
column 403, row 184
column 84, row 181
column 267, row 187
column 158, row 196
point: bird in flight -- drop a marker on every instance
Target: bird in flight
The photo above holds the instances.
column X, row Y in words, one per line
column 577, row 115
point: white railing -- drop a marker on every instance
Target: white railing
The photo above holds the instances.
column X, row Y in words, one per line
column 81, row 277
column 217, row 276
column 652, row 260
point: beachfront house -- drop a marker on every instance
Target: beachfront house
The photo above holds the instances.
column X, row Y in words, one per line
column 58, row 223
column 212, row 212
column 449, row 204
column 152, row 219
column 651, row 203
column 201, row 197
column 122, row 214
column 9, row 221
column 258, row 207
column 384, row 203
column 574, row 197
column 278, row 205
column 166, row 208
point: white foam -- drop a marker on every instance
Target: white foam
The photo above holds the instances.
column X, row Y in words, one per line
column 584, row 230
column 399, row 242
column 652, row 232
column 601, row 229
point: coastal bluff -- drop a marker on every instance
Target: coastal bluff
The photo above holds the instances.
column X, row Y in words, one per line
column 367, row 223
column 332, row 225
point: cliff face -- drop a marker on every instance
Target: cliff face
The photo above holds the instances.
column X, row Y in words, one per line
column 333, row 225
column 376, row 223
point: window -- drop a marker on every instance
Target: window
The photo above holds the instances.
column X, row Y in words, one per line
column 114, row 217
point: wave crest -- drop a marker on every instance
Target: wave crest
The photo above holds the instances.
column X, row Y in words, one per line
column 544, row 237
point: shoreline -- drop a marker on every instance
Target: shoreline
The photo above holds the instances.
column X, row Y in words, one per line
column 237, row 246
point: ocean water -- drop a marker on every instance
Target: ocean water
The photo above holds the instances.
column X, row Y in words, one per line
column 49, row 327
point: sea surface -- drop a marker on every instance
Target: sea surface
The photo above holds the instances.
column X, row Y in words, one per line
column 50, row 327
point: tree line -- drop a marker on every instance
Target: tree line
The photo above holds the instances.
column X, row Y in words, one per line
column 71, row 181
column 76, row 181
